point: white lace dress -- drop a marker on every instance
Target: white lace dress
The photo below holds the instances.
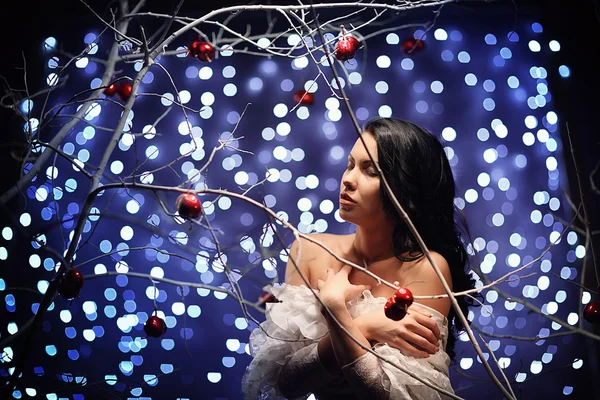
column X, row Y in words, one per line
column 295, row 325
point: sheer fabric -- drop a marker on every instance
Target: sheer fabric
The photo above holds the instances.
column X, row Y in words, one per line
column 286, row 346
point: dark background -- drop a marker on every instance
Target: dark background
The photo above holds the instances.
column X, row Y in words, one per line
column 25, row 24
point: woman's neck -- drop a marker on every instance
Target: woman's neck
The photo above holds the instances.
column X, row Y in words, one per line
column 373, row 244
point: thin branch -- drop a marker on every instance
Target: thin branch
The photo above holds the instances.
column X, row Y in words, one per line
column 119, row 32
column 416, row 234
column 174, row 282
column 499, row 367
column 588, row 237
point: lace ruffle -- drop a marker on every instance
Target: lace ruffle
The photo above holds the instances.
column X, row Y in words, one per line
column 296, row 322
column 290, row 325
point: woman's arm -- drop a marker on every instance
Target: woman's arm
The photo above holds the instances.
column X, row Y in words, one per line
column 306, row 372
column 318, row 364
column 315, row 365
column 348, row 342
column 416, row 335
column 360, row 368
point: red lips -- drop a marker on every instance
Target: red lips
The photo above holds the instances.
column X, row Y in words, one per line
column 345, row 196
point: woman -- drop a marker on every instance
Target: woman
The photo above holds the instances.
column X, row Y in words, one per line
column 300, row 349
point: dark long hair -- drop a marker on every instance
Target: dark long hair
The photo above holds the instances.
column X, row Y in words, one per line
column 417, row 170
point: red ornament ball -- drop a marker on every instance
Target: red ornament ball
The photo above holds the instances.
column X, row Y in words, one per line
column 189, row 206
column 411, row 46
column 71, row 284
column 304, row 97
column 204, row 51
column 393, row 310
column 124, row 90
column 346, row 47
column 155, row 326
column 267, row 298
column 404, row 297
column 591, row 313
column 111, row 90
column 396, row 306
column 194, row 48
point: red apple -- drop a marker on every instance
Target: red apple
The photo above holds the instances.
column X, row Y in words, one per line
column 404, row 297
column 591, row 313
column 346, row 47
column 111, row 90
column 124, row 90
column 411, row 46
column 393, row 310
column 267, row 298
column 71, row 284
column 189, row 206
column 304, row 97
column 194, row 48
column 155, row 326
column 205, row 51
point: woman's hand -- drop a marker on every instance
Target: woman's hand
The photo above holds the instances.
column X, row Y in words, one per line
column 417, row 334
column 336, row 290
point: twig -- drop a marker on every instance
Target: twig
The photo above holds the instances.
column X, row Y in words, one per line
column 119, row 32
column 417, row 236
column 588, row 239
column 499, row 367
column 53, row 286
column 174, row 282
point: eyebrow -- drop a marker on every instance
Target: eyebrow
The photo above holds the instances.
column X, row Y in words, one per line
column 367, row 161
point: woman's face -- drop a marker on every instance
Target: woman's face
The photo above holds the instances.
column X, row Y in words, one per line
column 360, row 198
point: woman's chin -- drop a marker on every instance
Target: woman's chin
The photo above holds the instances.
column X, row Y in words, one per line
column 347, row 214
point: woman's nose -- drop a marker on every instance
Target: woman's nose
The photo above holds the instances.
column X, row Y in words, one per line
column 348, row 180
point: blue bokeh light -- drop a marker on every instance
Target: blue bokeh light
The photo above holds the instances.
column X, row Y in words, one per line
column 503, row 128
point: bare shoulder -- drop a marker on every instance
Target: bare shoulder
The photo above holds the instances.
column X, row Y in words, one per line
column 309, row 250
column 422, row 280
column 439, row 261
column 307, row 254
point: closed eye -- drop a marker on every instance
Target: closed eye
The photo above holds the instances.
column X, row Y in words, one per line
column 367, row 166
column 369, row 171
